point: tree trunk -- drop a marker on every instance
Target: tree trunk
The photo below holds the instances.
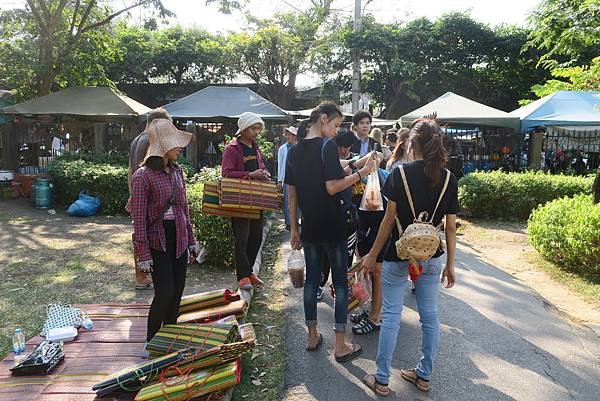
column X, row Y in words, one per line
column 46, row 73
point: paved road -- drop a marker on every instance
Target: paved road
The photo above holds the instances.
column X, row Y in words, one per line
column 500, row 341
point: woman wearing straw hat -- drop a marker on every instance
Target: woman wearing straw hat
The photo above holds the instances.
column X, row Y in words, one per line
column 242, row 159
column 162, row 233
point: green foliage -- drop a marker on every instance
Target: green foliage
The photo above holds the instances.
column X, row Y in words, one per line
column 213, row 232
column 567, row 232
column 107, row 181
column 407, row 64
column 580, row 78
column 97, row 158
column 566, row 30
column 514, row 195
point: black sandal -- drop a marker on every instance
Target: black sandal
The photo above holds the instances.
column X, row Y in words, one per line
column 365, row 327
column 359, row 317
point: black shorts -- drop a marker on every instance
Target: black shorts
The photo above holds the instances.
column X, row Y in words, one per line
column 367, row 233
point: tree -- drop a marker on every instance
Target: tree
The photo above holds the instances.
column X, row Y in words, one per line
column 567, row 31
column 190, row 55
column 575, row 78
column 278, row 49
column 406, row 65
column 60, row 27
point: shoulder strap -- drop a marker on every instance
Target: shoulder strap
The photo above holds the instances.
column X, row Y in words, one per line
column 325, row 142
column 407, row 190
column 441, row 194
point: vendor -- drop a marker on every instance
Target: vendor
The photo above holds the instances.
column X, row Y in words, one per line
column 242, row 159
column 163, row 237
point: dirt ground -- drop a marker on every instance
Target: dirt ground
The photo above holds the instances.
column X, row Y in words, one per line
column 505, row 245
column 53, row 258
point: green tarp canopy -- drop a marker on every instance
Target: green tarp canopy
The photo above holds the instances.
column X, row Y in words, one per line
column 216, row 102
column 458, row 110
column 81, row 101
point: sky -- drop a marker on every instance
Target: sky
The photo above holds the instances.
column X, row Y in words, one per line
column 196, row 13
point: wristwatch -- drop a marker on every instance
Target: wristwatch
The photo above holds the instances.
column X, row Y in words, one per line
column 351, row 165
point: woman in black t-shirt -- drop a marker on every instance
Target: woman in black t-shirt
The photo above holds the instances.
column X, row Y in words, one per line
column 425, row 177
column 315, row 178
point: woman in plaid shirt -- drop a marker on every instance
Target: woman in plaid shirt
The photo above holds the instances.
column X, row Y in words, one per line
column 163, row 237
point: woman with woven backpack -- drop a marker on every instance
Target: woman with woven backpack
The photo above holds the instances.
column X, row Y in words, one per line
column 420, row 194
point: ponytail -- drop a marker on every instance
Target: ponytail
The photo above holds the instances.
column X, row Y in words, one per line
column 427, row 135
column 328, row 107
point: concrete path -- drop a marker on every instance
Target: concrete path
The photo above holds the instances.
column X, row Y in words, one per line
column 499, row 341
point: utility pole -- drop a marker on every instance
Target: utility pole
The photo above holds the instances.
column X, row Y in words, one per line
column 356, row 61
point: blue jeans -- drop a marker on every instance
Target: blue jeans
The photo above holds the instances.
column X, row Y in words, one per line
column 337, row 255
column 286, row 206
column 394, row 276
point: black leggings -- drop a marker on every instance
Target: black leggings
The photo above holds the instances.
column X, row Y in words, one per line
column 248, row 237
column 168, row 276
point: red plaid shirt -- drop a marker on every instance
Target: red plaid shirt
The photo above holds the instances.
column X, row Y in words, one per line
column 150, row 194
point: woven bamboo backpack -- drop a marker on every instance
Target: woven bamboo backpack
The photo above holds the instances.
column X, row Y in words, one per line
column 421, row 239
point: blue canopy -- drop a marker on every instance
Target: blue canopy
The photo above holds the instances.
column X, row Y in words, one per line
column 561, row 108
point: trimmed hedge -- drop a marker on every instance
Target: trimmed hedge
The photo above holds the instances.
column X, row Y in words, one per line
column 214, row 232
column 567, row 232
column 107, row 181
column 514, row 195
column 103, row 175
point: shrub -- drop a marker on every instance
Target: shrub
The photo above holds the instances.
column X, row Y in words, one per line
column 514, row 195
column 567, row 232
column 107, row 181
column 213, row 232
column 99, row 158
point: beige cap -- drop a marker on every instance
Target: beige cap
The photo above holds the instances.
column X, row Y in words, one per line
column 248, row 119
column 164, row 136
column 292, row 130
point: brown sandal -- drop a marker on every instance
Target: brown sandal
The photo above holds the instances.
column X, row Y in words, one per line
column 411, row 376
column 380, row 389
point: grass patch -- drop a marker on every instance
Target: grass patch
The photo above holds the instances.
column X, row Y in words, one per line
column 264, row 369
column 587, row 286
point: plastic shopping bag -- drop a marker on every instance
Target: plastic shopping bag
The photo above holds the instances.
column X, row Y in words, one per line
column 362, row 288
column 84, row 206
column 372, row 200
column 296, row 266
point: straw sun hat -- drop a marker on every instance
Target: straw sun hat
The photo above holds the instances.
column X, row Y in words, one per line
column 164, row 136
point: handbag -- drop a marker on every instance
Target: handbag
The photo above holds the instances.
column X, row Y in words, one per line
column 421, row 239
column 61, row 316
column 344, row 201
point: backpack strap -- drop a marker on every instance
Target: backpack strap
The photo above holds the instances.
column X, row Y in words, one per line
column 325, row 142
column 441, row 194
column 407, row 190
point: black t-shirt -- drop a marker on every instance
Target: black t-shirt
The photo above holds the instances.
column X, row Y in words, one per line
column 250, row 158
column 424, row 199
column 307, row 169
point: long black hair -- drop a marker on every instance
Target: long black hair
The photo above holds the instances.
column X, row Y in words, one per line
column 329, row 108
column 427, row 135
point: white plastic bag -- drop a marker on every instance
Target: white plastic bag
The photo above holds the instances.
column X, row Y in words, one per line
column 296, row 266
column 372, row 200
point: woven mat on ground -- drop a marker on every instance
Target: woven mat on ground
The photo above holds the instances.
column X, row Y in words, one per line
column 216, row 355
column 131, row 378
column 236, row 308
column 174, row 337
column 208, row 299
column 194, row 384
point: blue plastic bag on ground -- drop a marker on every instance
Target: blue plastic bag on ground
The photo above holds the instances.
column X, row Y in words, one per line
column 84, row 206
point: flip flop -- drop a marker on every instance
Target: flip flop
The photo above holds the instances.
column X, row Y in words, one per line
column 356, row 351
column 411, row 376
column 373, row 384
column 316, row 347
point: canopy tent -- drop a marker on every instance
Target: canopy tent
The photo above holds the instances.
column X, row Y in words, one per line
column 377, row 122
column 562, row 108
column 454, row 109
column 81, row 101
column 216, row 102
